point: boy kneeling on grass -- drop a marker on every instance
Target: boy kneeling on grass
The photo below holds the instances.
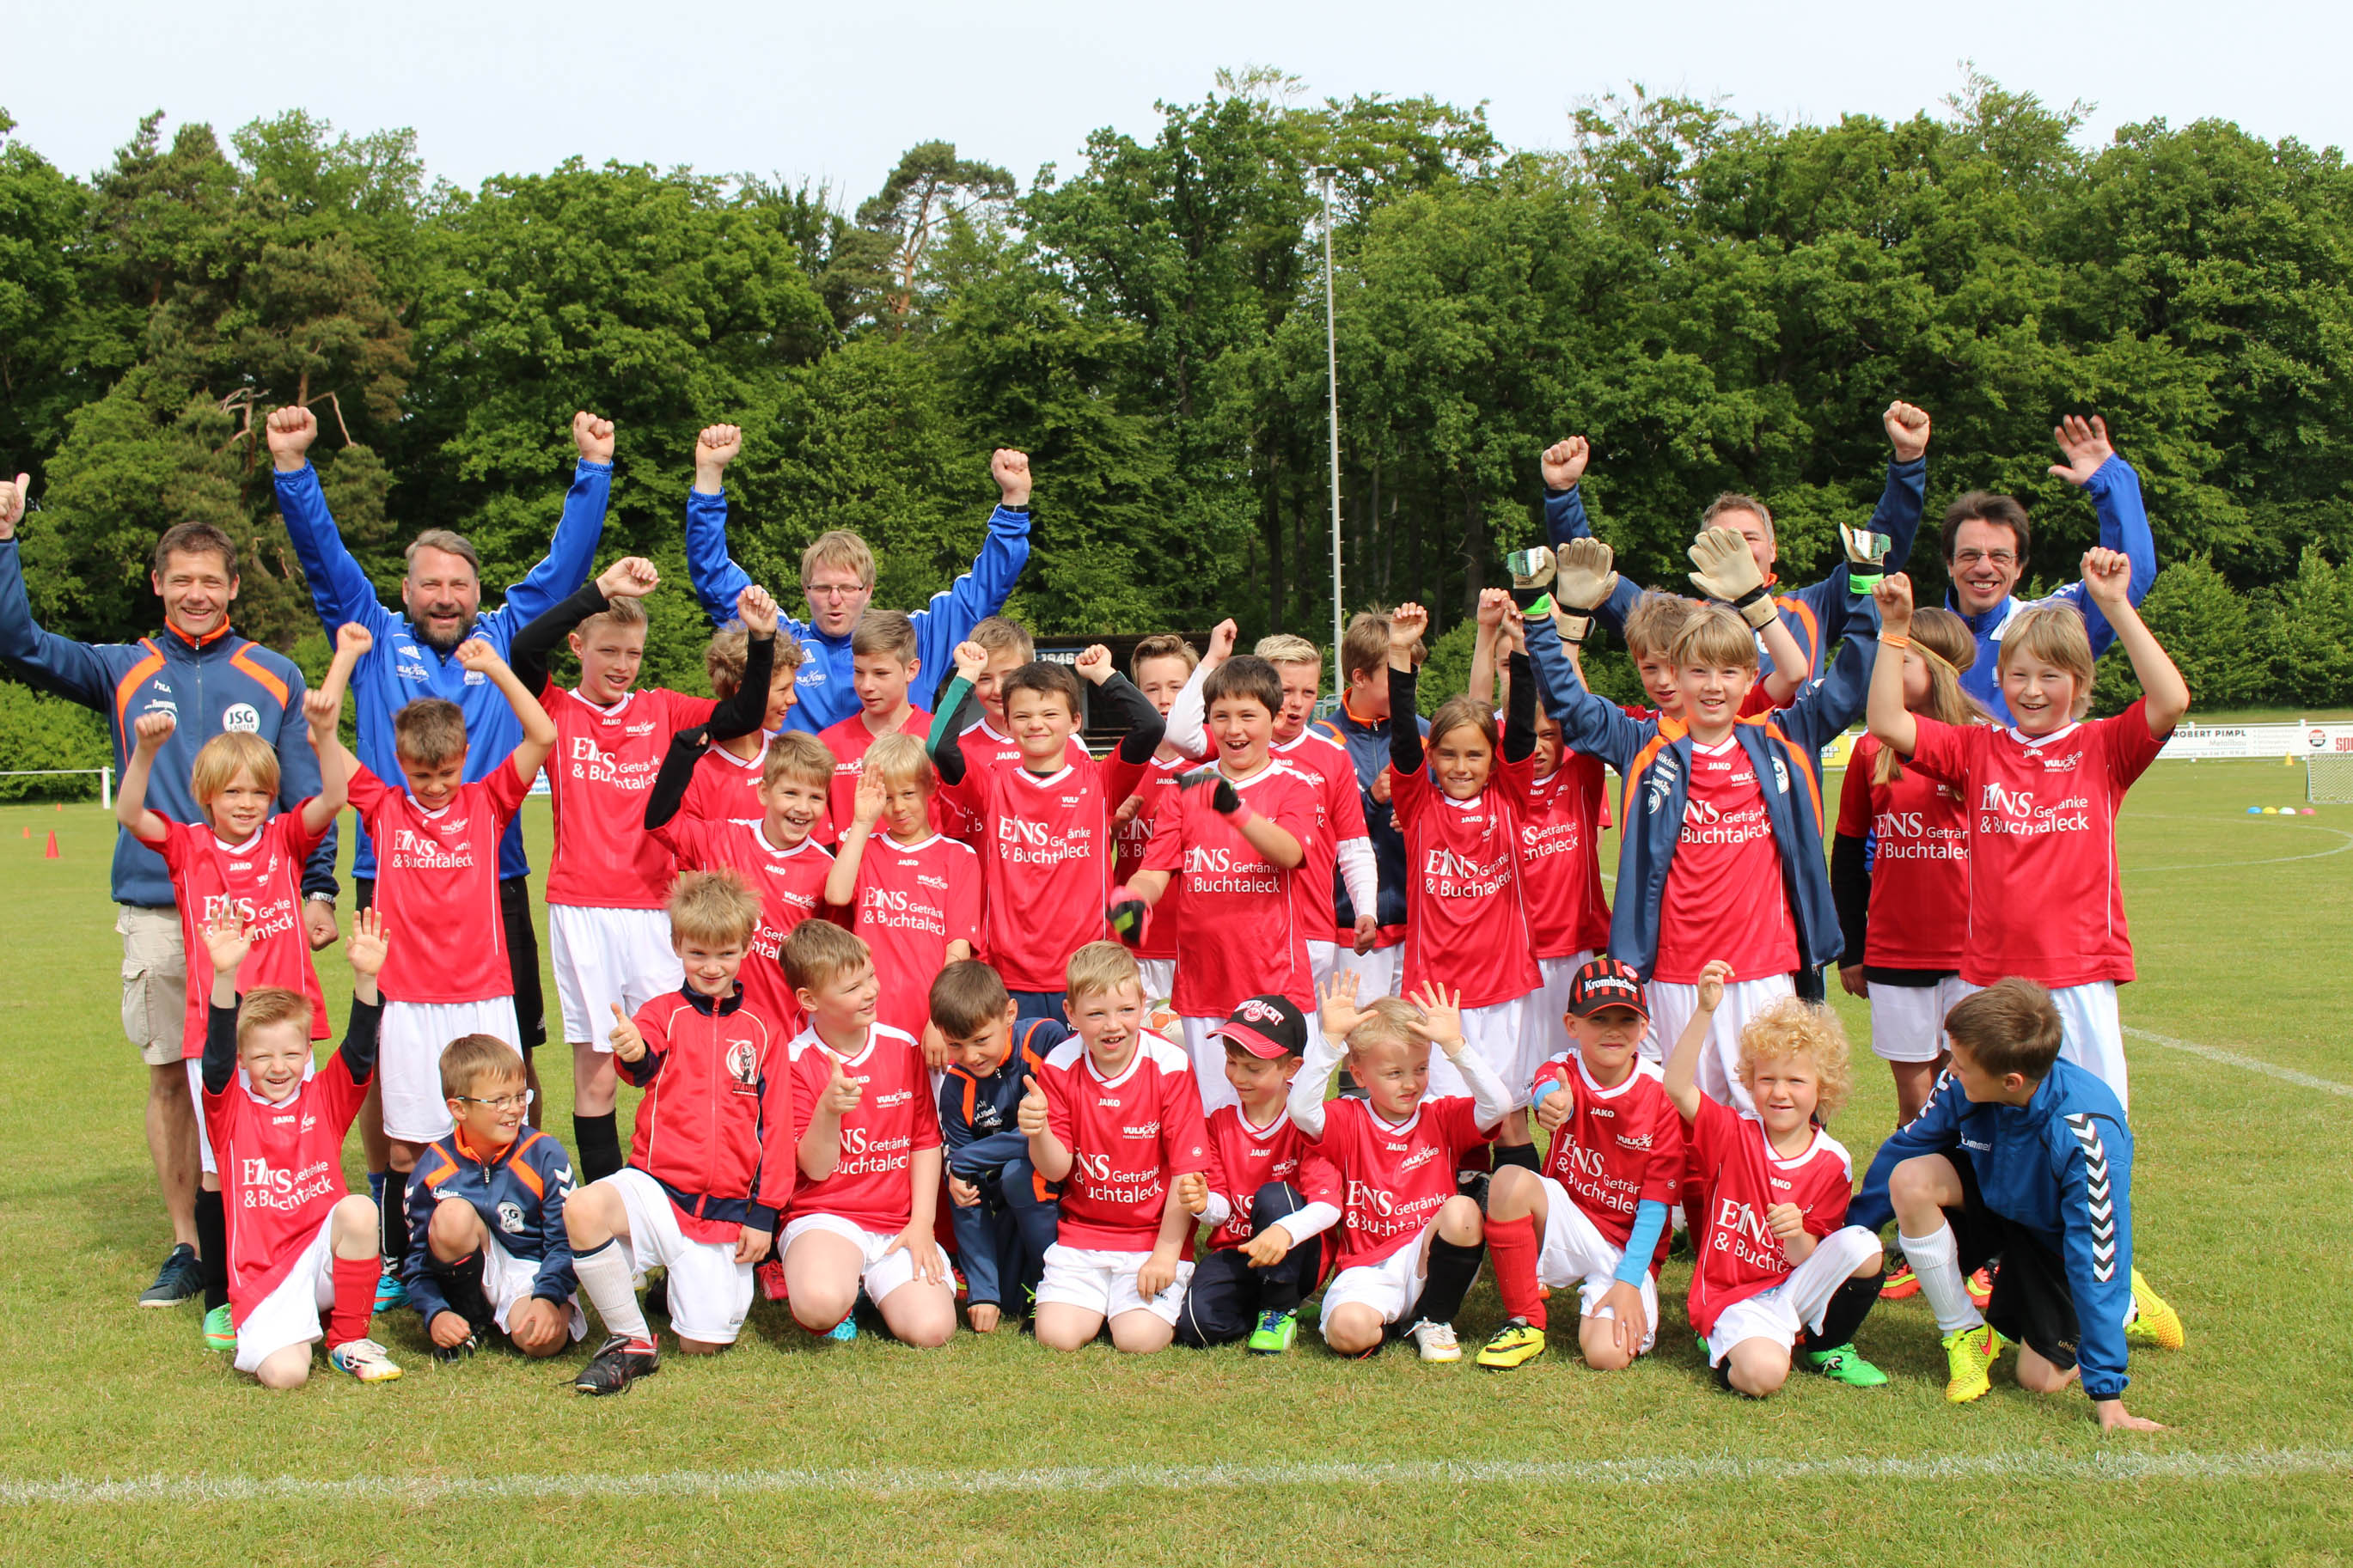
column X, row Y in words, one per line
column 2022, row 1155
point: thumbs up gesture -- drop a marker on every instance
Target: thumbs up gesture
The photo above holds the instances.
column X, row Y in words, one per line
column 1032, row 1114
column 841, row 1090
column 627, row 1044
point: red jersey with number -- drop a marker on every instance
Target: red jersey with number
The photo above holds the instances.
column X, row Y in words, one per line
column 2045, row 899
column 791, row 884
column 604, row 762
column 260, row 879
column 1243, row 1158
column 1394, row 1176
column 1466, row 921
column 848, row 741
column 281, row 1173
column 727, row 787
column 1131, row 838
column 1741, row 1178
column 437, row 886
column 986, row 751
column 1130, row 1137
column 872, row 1185
column 1919, row 831
column 1560, row 859
column 1237, row 920
column 1619, row 1148
column 1724, row 897
column 913, row 899
column 1045, row 861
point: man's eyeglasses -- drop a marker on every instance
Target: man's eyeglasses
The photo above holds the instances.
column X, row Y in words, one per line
column 1971, row 557
column 835, row 591
column 517, row 1101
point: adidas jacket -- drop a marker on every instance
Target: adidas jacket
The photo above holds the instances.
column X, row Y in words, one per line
column 518, row 1193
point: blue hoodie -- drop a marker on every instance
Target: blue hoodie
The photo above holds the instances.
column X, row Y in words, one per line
column 2060, row 1168
column 519, row 1195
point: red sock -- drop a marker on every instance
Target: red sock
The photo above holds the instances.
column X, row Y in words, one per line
column 1512, row 1247
column 355, row 1280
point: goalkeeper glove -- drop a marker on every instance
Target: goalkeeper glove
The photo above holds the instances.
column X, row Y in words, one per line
column 1531, row 570
column 1583, row 580
column 1730, row 576
column 1125, row 914
column 1866, row 557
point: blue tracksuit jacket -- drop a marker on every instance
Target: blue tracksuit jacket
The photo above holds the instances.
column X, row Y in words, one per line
column 2124, row 525
column 401, row 668
column 980, row 1116
column 2059, row 1167
column 1817, row 616
column 518, row 1193
column 826, row 695
column 228, row 683
column 1368, row 753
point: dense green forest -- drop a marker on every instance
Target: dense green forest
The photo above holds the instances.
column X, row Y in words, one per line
column 1718, row 302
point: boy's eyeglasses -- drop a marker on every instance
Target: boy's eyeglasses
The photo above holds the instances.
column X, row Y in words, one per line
column 520, row 1101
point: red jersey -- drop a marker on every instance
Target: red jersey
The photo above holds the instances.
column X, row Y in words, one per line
column 1742, row 1178
column 913, row 899
column 1046, row 860
column 437, row 886
column 604, row 762
column 1619, row 1148
column 727, row 787
column 1130, row 839
column 1919, row 833
column 1560, row 859
column 872, row 1186
column 281, row 1173
column 262, row 880
column 1243, row 1158
column 1465, row 921
column 2045, row 901
column 1130, row 1137
column 1394, row 1176
column 848, row 741
column 715, row 1127
column 1323, row 761
column 791, row 884
column 986, row 751
column 1236, row 922
column 1724, row 897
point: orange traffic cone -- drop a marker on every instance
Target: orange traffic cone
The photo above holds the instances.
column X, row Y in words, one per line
column 28, row 830
column 51, row 853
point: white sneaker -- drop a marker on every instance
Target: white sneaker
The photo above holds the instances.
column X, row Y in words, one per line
column 363, row 1359
column 1436, row 1340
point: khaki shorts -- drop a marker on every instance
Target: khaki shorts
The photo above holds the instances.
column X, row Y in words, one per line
column 155, row 983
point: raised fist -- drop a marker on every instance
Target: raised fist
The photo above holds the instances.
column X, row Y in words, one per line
column 593, row 436
column 478, row 655
column 153, row 727
column 12, row 504
column 289, row 432
column 1094, row 665
column 2107, row 576
column 1907, row 430
column 718, row 445
column 1893, row 598
column 1564, row 463
column 1011, row 470
column 756, row 608
column 354, row 639
column 630, row 577
column 971, row 658
column 1221, row 639
column 1407, row 623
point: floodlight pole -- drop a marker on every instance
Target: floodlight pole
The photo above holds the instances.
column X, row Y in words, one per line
column 1332, row 373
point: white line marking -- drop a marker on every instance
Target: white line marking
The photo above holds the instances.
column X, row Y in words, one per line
column 2234, row 865
column 2035, row 1464
column 2233, row 1059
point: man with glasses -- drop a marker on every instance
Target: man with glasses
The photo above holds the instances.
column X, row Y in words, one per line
column 1986, row 539
column 838, row 579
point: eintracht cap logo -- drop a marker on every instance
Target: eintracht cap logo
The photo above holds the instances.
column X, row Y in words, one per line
column 241, row 719
column 1257, row 1012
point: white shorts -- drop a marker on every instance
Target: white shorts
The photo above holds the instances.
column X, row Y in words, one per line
column 880, row 1271
column 1375, row 972
column 295, row 1312
column 204, row 1138
column 507, row 1282
column 1104, row 1281
column 1907, row 1021
column 1499, row 1033
column 1159, row 981
column 1575, row 1252
column 1559, row 973
column 1390, row 1287
column 1321, row 957
column 1208, row 1049
column 709, row 1292
column 1797, row 1303
column 1671, row 1008
column 410, row 1043
column 606, row 958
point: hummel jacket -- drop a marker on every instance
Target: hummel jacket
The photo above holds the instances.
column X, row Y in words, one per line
column 519, row 1194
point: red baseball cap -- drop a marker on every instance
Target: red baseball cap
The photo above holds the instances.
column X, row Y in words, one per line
column 1606, row 983
column 1268, row 1028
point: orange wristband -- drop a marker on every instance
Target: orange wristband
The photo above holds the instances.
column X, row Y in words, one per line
column 1894, row 642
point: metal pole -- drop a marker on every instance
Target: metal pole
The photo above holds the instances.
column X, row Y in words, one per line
column 1332, row 371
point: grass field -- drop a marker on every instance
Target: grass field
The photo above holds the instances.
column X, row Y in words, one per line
column 993, row 1451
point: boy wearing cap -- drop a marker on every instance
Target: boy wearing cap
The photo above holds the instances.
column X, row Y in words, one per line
column 1269, row 1196
column 1596, row 1216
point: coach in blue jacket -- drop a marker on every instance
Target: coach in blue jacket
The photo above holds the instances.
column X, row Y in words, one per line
column 213, row 680
column 838, row 579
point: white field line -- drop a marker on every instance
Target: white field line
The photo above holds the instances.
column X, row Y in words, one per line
column 2109, row 1466
column 2345, row 843
column 2233, row 1059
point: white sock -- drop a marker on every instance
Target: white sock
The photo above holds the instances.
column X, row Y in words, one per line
column 604, row 1278
column 1936, row 1260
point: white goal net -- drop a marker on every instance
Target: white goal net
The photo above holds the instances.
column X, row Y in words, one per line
column 2328, row 778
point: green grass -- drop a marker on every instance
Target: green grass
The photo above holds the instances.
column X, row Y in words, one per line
column 2243, row 1183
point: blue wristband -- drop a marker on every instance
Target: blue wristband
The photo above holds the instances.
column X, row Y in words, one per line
column 1650, row 1221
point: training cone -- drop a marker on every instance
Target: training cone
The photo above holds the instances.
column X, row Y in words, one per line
column 2254, row 811
column 51, row 852
column 28, row 830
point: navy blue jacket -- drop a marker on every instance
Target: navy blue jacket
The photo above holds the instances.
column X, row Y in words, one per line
column 1368, row 753
column 2059, row 1167
column 519, row 1195
column 980, row 1115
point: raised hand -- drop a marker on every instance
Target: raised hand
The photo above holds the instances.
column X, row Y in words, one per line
column 842, row 1091
column 1493, row 604
column 1907, row 430
column 1031, row 1116
column 289, row 432
column 1010, row 469
column 1193, row 1191
column 756, row 608
column 152, row 729
column 228, row 940
column 971, row 658
column 866, row 809
column 1442, row 1017
column 2108, row 577
column 630, row 577
column 1712, row 977
column 321, row 710
column 1094, row 665
column 716, row 446
column 352, row 641
column 1726, row 573
column 2085, row 444
column 12, row 504
column 370, row 946
column 1338, row 1010
column 1221, row 639
column 1563, row 462
column 1125, row 914
column 1583, row 579
column 593, row 436
column 1407, row 623
column 627, row 1044
column 1893, row 598
column 476, row 654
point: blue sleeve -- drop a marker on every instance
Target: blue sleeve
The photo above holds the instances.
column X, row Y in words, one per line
column 980, row 593
column 1936, row 1131
column 2096, row 1222
column 1649, row 1220
column 554, row 1281
column 2124, row 525
column 717, row 579
column 425, row 1292
column 1826, row 708
column 341, row 591
column 571, row 555
column 1593, row 725
column 989, row 1153
column 69, row 668
column 1898, row 513
column 1564, row 519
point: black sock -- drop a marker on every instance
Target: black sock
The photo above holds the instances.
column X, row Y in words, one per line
column 212, row 1247
column 393, row 1234
column 1848, row 1308
column 461, row 1282
column 1521, row 1154
column 1451, row 1270
column 597, row 1140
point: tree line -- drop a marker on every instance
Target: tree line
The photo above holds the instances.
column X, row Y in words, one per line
column 1718, row 302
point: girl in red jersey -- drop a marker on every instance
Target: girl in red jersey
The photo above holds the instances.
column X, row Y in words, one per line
column 913, row 891
column 1466, row 928
column 1900, row 872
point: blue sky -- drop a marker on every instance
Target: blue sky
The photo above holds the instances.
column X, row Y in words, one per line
column 493, row 86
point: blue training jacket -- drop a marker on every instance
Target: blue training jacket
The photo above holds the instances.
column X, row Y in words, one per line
column 401, row 668
column 224, row 683
column 519, row 1194
column 2124, row 525
column 1653, row 757
column 2059, row 1167
column 826, row 695
column 980, row 1114
column 1817, row 615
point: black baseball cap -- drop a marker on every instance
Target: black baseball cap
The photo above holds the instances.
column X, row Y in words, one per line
column 1268, row 1028
column 1606, row 983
